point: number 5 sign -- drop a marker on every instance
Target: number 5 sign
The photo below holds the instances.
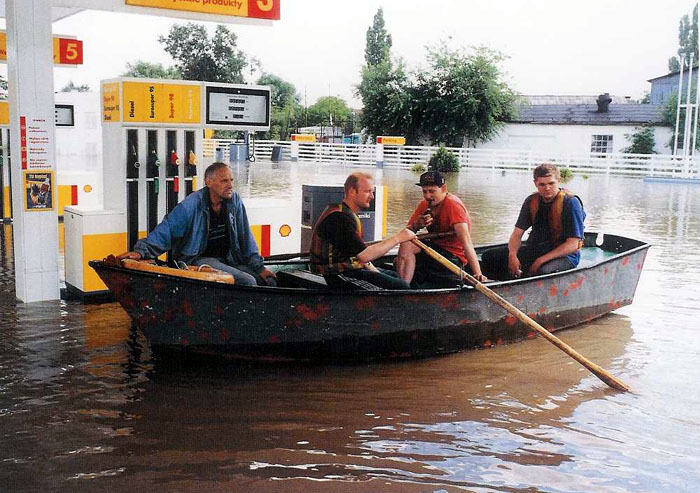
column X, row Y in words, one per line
column 66, row 51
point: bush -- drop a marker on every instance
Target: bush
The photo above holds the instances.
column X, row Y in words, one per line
column 566, row 174
column 443, row 161
column 418, row 168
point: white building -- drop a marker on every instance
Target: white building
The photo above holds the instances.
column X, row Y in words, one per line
column 580, row 125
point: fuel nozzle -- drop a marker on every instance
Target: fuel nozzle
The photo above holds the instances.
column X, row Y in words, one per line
column 153, row 158
column 174, row 160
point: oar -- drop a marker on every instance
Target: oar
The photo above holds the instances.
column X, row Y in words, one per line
column 592, row 367
column 424, row 236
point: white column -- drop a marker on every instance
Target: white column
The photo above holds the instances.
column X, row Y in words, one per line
column 379, row 156
column 30, row 70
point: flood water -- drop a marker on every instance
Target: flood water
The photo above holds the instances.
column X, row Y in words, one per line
column 85, row 406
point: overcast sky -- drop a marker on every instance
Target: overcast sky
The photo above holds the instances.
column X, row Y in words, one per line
column 553, row 46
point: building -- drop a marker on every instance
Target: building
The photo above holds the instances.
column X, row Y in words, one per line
column 582, row 125
column 664, row 86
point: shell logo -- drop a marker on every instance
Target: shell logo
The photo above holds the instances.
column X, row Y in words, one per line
column 87, row 189
column 285, row 230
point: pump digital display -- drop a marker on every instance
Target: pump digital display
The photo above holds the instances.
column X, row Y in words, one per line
column 238, row 108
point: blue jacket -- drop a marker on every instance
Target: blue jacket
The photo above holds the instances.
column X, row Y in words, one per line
column 185, row 229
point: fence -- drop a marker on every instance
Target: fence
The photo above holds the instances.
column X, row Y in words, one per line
column 660, row 165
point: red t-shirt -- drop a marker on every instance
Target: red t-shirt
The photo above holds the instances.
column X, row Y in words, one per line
column 446, row 214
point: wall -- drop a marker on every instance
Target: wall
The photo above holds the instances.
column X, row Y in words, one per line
column 568, row 139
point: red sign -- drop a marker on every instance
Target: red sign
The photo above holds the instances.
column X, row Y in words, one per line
column 264, row 9
column 68, row 52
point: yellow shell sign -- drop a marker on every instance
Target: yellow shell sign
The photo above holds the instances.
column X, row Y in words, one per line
column 144, row 102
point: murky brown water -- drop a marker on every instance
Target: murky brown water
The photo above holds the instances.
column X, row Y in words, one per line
column 84, row 405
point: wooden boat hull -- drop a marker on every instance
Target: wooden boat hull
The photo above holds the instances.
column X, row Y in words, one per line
column 301, row 324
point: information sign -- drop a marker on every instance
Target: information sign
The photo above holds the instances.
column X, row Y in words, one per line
column 239, row 107
column 66, row 51
column 257, row 9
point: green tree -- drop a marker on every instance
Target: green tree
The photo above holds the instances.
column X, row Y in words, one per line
column 687, row 40
column 443, row 160
column 329, row 110
column 387, row 102
column 641, row 141
column 147, row 70
column 378, row 47
column 462, row 95
column 71, row 87
column 199, row 57
column 286, row 110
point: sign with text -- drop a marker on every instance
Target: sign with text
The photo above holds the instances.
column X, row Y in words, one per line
column 65, row 115
column 303, row 138
column 391, row 141
column 66, row 51
column 144, row 102
column 38, row 190
column 35, row 142
column 256, row 9
column 111, row 107
column 238, row 107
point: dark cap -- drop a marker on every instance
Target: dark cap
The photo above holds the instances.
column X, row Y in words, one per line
column 431, row 178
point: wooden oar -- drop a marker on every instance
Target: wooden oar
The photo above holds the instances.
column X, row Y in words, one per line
column 592, row 367
column 424, row 236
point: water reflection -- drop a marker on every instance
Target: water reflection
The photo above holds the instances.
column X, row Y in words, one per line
column 85, row 405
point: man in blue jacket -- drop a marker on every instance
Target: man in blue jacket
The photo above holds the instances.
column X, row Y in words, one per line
column 209, row 227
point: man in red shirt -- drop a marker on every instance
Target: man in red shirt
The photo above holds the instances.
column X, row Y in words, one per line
column 439, row 212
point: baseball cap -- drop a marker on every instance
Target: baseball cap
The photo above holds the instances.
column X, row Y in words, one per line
column 431, row 178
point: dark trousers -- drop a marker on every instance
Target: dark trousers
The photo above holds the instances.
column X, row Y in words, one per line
column 494, row 263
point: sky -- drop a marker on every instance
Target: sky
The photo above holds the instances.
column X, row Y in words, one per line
column 559, row 47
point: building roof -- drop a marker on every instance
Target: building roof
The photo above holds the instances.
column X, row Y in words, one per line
column 587, row 114
column 673, row 74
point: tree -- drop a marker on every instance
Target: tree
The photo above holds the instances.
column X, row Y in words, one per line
column 71, row 87
column 378, row 47
column 461, row 95
column 642, row 141
column 387, row 104
column 198, row 57
column 147, row 70
column 286, row 110
column 687, row 40
column 329, row 111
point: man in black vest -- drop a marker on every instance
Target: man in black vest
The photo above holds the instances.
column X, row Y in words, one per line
column 337, row 246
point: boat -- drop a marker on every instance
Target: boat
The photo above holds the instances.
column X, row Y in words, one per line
column 302, row 319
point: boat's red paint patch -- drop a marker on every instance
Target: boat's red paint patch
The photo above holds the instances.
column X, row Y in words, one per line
column 577, row 283
column 611, row 303
column 223, row 335
column 312, row 314
column 375, row 326
column 510, row 320
column 186, row 307
column 185, row 342
column 625, row 260
column 540, row 284
column 532, row 314
column 275, row 339
column 449, row 301
column 365, row 303
column 565, row 292
column 550, row 328
column 464, row 321
column 499, row 341
column 191, row 324
column 487, row 343
column 553, row 290
column 530, row 335
column 606, row 271
column 543, row 310
column 520, row 298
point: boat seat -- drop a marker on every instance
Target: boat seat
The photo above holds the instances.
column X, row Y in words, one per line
column 297, row 278
column 352, row 284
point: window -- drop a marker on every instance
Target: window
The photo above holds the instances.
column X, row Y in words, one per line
column 602, row 143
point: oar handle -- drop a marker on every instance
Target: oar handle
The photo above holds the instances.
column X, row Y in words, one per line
column 517, row 313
